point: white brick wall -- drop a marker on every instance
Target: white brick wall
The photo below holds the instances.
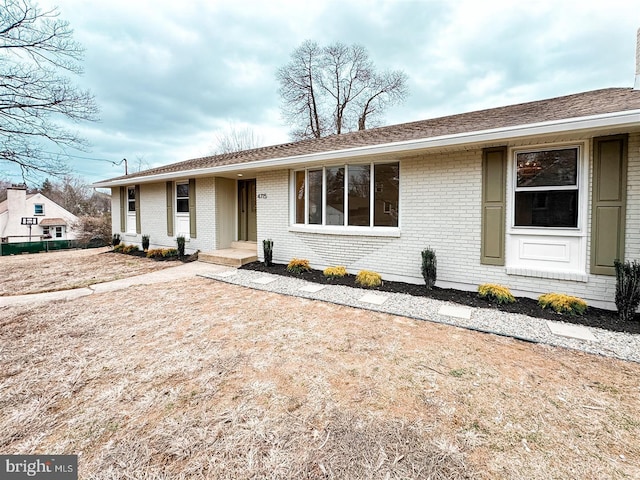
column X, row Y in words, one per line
column 153, row 216
column 439, row 207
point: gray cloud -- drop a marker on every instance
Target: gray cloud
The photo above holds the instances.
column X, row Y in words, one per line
column 169, row 76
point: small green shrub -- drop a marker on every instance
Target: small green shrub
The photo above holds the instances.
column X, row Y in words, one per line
column 335, row 272
column 496, row 293
column 115, row 239
column 429, row 267
column 162, row 253
column 627, row 289
column 130, row 249
column 181, row 243
column 562, row 303
column 298, row 266
column 367, row 278
column 145, row 242
column 267, row 246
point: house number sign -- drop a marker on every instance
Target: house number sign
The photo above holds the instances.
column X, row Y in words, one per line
column 262, row 195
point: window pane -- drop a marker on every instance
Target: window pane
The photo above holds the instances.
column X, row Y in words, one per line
column 335, row 196
column 132, row 193
column 132, row 205
column 299, row 197
column 358, row 188
column 385, row 208
column 315, row 197
column 182, row 205
column 182, row 190
column 38, row 209
column 550, row 168
column 555, row 208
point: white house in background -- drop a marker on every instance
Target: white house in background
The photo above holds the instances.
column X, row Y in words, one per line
column 52, row 222
column 540, row 197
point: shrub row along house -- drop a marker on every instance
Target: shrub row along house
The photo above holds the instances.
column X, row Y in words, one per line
column 539, row 196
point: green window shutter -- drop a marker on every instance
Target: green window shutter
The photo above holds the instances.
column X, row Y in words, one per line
column 494, row 176
column 123, row 209
column 192, row 207
column 170, row 209
column 608, row 203
column 138, row 227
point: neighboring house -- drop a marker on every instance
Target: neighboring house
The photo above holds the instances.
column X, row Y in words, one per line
column 50, row 220
column 540, row 197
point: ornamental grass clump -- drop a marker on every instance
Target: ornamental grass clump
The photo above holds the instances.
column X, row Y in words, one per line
column 118, row 248
column 562, row 303
column 496, row 293
column 130, row 249
column 162, row 253
column 367, row 278
column 335, row 272
column 298, row 266
column 627, row 289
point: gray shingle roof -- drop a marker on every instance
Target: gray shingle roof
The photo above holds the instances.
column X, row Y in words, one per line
column 585, row 104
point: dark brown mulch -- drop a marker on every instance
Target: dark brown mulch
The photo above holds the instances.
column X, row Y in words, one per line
column 594, row 317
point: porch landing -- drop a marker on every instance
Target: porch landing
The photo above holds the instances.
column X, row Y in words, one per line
column 240, row 253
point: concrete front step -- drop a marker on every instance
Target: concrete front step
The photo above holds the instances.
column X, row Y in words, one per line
column 245, row 245
column 231, row 257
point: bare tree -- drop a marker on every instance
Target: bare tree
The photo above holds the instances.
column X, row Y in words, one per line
column 236, row 139
column 36, row 51
column 334, row 89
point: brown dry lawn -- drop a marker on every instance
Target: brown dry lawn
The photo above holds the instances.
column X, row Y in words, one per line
column 66, row 269
column 201, row 379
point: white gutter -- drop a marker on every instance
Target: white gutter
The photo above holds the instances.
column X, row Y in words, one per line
column 617, row 119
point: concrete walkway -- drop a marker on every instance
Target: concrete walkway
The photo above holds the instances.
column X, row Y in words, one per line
column 185, row 270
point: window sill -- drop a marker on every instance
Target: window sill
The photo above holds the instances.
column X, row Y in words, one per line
column 354, row 231
column 549, row 232
column 528, row 272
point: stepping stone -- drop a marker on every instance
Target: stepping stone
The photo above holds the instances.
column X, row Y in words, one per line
column 457, row 312
column 374, row 298
column 571, row 331
column 311, row 288
column 229, row 273
column 264, row 280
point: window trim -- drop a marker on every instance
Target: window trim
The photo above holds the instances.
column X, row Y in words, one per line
column 582, row 168
column 345, row 228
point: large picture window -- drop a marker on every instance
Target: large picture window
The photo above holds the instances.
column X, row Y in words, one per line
column 546, row 188
column 348, row 195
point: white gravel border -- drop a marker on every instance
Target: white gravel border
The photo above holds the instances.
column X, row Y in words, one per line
column 624, row 346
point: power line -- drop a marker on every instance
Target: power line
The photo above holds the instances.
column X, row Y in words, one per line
column 82, row 158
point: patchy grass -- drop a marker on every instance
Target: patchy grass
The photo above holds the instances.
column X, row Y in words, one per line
column 201, row 379
column 67, row 269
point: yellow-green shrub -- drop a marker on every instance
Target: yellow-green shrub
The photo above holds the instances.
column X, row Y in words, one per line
column 298, row 265
column 495, row 293
column 562, row 303
column 162, row 252
column 367, row 278
column 335, row 272
column 130, row 249
column 119, row 247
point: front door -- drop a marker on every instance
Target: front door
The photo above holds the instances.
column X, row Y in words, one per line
column 247, row 218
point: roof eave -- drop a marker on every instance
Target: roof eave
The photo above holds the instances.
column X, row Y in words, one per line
column 593, row 122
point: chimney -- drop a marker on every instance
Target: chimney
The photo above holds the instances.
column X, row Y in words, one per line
column 636, row 86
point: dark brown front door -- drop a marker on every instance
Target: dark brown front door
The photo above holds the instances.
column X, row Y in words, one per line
column 247, row 218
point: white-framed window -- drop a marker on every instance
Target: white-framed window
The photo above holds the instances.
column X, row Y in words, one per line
column 547, row 211
column 131, row 209
column 38, row 209
column 341, row 195
column 546, row 188
column 46, row 233
column 182, row 209
column 58, row 232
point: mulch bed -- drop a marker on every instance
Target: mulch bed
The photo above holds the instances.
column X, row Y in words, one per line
column 594, row 317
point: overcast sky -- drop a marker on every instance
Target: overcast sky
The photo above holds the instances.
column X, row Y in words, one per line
column 169, row 76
